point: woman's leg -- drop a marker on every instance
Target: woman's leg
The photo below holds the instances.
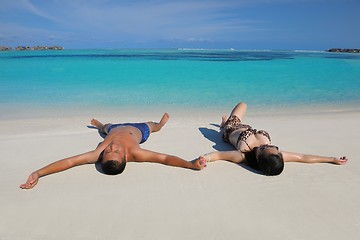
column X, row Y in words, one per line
column 155, row 127
column 239, row 111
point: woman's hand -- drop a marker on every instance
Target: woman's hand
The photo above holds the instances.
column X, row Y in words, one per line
column 31, row 182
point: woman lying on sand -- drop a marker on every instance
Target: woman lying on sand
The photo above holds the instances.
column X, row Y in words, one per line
column 121, row 145
column 255, row 147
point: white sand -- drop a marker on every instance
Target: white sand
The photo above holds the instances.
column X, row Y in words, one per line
column 152, row 201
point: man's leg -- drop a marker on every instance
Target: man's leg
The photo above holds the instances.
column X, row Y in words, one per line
column 101, row 127
column 155, row 127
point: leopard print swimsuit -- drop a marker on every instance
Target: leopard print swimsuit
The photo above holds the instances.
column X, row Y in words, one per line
column 234, row 123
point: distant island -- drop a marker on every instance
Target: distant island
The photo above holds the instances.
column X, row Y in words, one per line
column 344, row 50
column 27, row 48
column 37, row 48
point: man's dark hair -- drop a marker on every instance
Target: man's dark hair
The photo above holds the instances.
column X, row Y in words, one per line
column 112, row 167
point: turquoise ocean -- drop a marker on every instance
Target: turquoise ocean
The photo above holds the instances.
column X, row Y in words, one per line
column 195, row 79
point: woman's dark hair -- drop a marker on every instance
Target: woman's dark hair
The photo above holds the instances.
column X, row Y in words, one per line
column 272, row 164
column 251, row 160
column 269, row 164
column 112, row 167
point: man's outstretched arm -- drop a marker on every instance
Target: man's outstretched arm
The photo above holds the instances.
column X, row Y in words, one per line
column 170, row 160
column 58, row 166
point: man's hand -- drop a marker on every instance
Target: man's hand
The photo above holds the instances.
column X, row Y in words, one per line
column 31, row 182
column 199, row 163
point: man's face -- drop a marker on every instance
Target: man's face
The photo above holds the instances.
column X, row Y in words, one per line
column 114, row 151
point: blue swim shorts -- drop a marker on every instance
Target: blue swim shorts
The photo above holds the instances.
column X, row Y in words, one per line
column 143, row 127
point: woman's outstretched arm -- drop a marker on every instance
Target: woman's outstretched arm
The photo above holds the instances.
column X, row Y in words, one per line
column 232, row 156
column 307, row 158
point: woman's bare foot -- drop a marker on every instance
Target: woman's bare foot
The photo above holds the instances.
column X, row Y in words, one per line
column 223, row 121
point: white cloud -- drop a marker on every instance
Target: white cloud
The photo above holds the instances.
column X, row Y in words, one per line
column 137, row 20
column 153, row 19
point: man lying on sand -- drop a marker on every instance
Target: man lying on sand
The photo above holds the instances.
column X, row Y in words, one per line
column 121, row 145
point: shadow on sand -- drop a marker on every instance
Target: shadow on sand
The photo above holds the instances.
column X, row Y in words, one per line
column 219, row 144
column 98, row 164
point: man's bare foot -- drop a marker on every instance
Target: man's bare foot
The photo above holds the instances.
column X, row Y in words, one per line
column 164, row 119
column 97, row 124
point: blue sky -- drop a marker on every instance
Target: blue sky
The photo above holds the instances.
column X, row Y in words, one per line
column 239, row 24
